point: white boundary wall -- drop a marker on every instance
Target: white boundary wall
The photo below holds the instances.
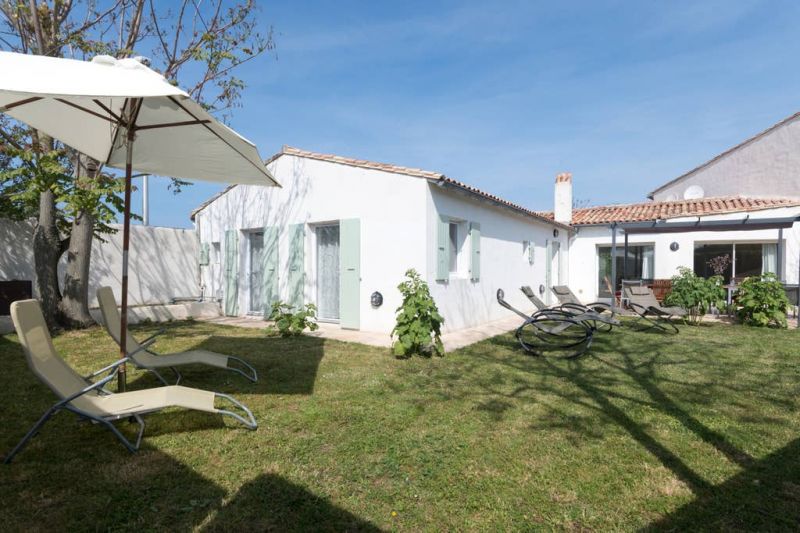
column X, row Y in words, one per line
column 163, row 261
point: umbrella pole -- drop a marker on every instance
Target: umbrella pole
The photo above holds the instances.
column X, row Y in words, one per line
column 126, row 241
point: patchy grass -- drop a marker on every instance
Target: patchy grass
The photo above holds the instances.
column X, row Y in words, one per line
column 695, row 431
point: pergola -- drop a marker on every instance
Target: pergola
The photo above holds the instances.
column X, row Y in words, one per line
column 665, row 226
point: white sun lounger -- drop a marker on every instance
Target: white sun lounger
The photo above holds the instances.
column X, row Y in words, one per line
column 90, row 400
column 144, row 358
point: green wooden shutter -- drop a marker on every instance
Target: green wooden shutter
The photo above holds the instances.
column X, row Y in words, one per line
column 442, row 249
column 231, row 273
column 203, row 259
column 296, row 278
column 350, row 273
column 475, row 246
column 270, row 268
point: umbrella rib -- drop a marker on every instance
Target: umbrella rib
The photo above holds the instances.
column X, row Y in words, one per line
column 18, row 103
column 262, row 170
column 171, row 124
column 81, row 108
column 108, row 110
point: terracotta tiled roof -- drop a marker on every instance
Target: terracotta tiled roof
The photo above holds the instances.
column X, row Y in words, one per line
column 436, row 177
column 607, row 214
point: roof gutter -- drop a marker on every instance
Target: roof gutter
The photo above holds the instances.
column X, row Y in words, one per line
column 445, row 183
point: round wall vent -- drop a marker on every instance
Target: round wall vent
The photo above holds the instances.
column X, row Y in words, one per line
column 693, row 192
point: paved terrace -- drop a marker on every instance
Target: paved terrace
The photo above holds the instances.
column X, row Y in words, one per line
column 452, row 340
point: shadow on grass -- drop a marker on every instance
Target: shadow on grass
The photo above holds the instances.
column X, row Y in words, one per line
column 764, row 497
column 598, row 395
column 284, row 366
column 271, row 503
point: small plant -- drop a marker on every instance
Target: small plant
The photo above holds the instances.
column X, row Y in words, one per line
column 761, row 301
column 291, row 323
column 719, row 264
column 419, row 324
column 695, row 294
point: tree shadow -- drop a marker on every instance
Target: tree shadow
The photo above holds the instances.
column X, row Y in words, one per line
column 284, row 365
column 272, row 503
column 763, row 497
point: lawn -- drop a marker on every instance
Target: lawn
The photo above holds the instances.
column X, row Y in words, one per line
column 695, row 431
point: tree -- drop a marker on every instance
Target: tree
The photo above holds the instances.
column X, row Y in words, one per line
column 197, row 45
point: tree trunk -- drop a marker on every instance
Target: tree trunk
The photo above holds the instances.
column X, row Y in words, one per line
column 75, row 301
column 46, row 252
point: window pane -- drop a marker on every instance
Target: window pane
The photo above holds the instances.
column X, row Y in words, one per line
column 453, row 247
column 637, row 265
column 748, row 260
column 703, row 253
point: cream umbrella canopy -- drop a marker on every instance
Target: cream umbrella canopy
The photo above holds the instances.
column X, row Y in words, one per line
column 126, row 116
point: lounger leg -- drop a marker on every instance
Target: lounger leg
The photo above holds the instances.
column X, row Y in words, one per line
column 250, row 422
column 178, row 375
column 132, row 447
column 253, row 377
column 158, row 375
column 28, row 436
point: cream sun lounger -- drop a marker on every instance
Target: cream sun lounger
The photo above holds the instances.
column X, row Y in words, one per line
column 144, row 358
column 90, row 400
column 643, row 302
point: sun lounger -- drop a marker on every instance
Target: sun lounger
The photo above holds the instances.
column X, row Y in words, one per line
column 595, row 320
column 643, row 302
column 550, row 333
column 91, row 400
column 146, row 359
column 568, row 300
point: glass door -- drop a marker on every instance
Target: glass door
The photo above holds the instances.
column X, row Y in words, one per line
column 328, row 272
column 256, row 239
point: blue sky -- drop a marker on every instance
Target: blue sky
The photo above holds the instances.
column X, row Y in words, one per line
column 504, row 95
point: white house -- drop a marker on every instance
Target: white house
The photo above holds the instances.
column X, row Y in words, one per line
column 658, row 254
column 342, row 232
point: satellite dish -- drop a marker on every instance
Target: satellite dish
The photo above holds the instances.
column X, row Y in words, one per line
column 693, row 192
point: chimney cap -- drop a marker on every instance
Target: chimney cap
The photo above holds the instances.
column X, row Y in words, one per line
column 564, row 177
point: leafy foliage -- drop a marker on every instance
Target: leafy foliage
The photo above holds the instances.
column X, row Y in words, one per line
column 418, row 326
column 761, row 301
column 291, row 323
column 695, row 294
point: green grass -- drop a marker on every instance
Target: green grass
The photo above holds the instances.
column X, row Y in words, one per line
column 695, row 431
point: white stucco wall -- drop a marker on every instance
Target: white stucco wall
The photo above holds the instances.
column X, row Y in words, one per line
column 390, row 207
column 162, row 262
column 464, row 302
column 767, row 167
column 584, row 258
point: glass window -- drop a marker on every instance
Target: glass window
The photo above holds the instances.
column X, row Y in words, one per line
column 638, row 264
column 453, row 247
column 748, row 261
column 706, row 255
column 216, row 253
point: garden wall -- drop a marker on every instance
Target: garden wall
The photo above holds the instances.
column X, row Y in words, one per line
column 163, row 262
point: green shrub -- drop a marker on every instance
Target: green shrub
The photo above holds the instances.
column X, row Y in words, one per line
column 761, row 301
column 418, row 326
column 695, row 294
column 290, row 323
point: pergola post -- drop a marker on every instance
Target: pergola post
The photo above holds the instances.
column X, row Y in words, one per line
column 779, row 254
column 625, row 258
column 614, row 265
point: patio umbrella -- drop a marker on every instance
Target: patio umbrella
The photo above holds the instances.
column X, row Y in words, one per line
column 126, row 115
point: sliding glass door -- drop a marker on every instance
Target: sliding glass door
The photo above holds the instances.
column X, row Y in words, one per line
column 741, row 260
column 639, row 264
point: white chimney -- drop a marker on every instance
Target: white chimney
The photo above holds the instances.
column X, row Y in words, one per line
column 562, row 209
